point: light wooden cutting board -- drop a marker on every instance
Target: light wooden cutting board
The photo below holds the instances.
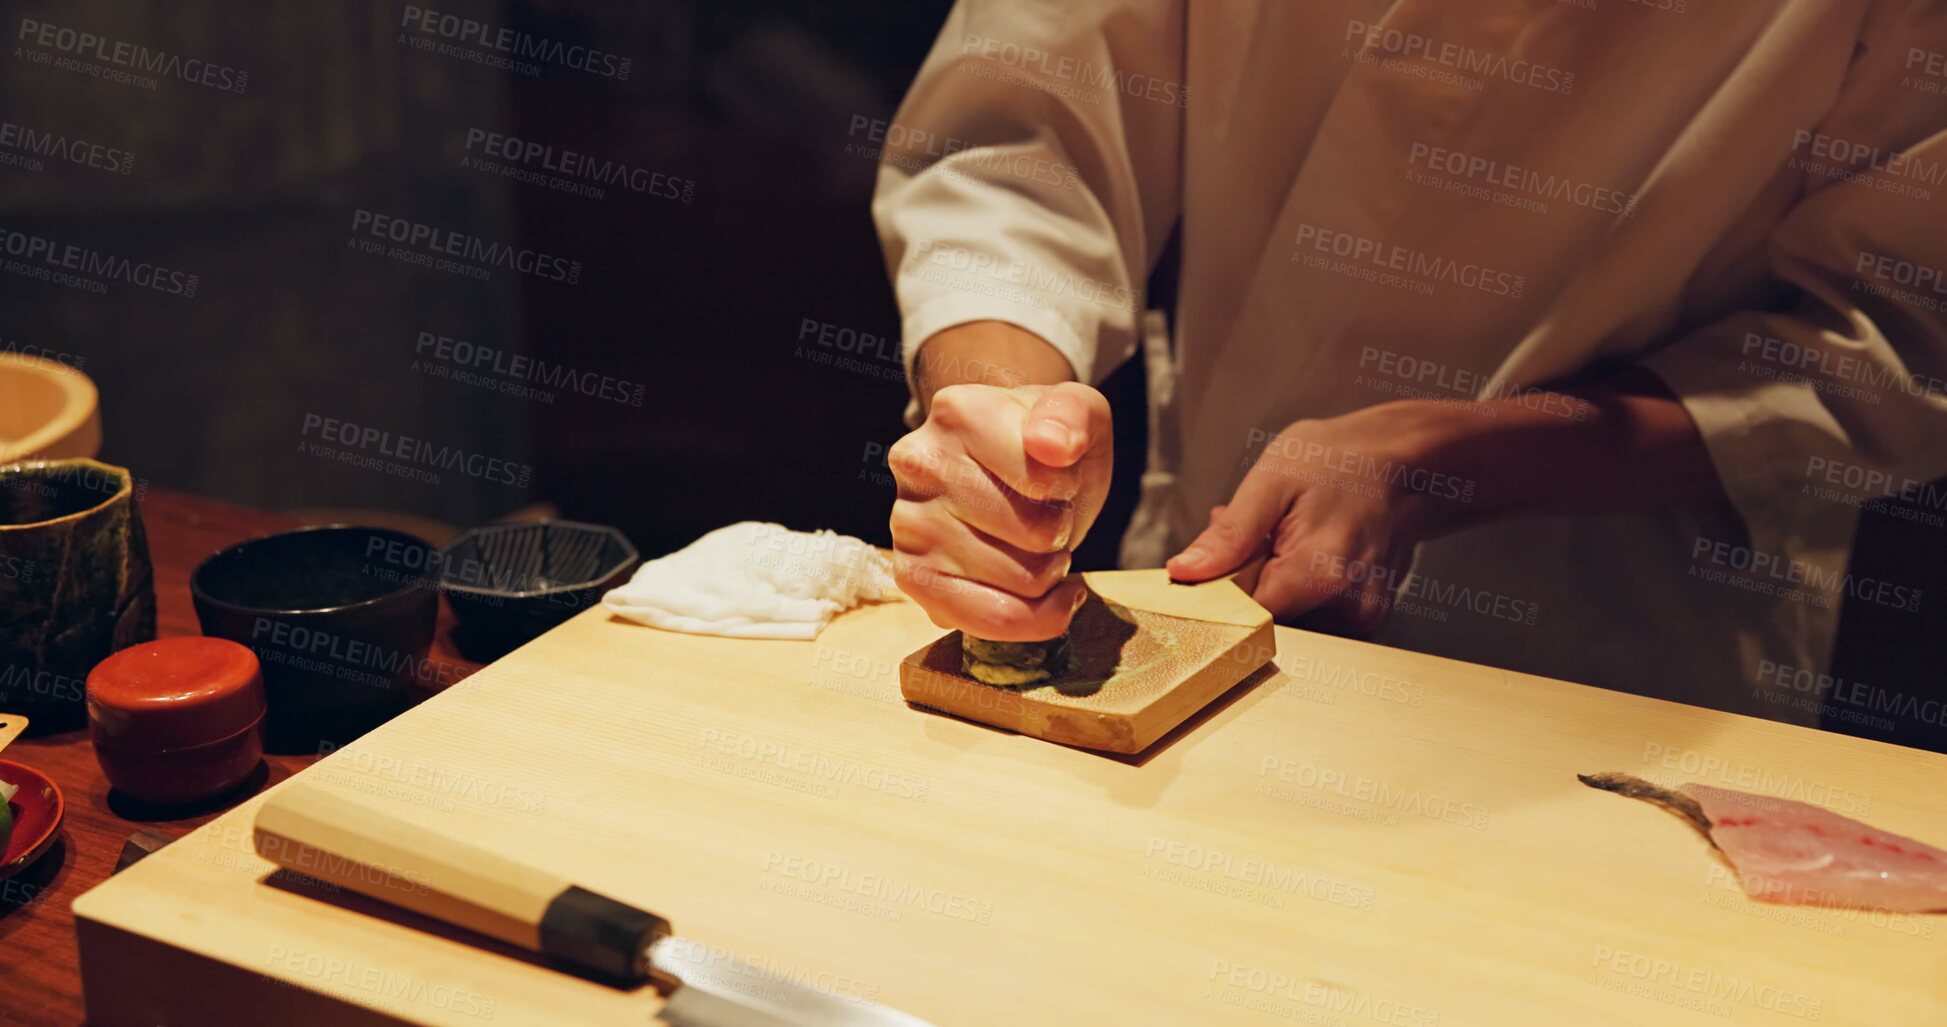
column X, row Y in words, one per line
column 1365, row 837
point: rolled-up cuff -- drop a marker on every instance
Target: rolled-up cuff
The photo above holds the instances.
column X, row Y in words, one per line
column 1760, row 432
column 1731, row 422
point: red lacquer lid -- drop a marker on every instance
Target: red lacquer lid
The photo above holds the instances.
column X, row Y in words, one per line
column 173, row 693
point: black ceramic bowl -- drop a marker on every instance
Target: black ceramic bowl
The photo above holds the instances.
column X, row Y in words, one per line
column 340, row 617
column 508, row 583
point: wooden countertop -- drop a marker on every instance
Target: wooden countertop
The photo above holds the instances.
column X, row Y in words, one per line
column 37, row 943
column 1365, row 836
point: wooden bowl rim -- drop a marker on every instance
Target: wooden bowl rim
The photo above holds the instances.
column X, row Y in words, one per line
column 83, row 400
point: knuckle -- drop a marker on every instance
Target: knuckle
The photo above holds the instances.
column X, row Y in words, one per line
column 915, row 575
column 1043, row 532
column 953, row 406
column 912, row 459
column 908, row 523
column 1091, row 397
column 964, row 479
column 922, row 576
column 1039, row 580
column 1052, row 486
column 1229, row 527
column 900, row 453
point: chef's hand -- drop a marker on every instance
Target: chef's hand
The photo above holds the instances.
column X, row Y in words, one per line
column 995, row 490
column 1341, row 504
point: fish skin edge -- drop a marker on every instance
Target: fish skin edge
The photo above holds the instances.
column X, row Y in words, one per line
column 1630, row 786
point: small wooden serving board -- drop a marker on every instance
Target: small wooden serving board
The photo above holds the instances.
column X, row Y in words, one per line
column 1145, row 654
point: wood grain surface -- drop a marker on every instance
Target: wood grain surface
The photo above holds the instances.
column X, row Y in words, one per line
column 38, row 960
column 1365, row 836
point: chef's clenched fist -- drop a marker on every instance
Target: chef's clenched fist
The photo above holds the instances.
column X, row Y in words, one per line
column 995, row 491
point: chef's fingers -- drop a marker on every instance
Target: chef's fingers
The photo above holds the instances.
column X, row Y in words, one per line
column 987, row 424
column 1236, row 530
column 970, row 492
column 953, row 547
column 1007, row 515
column 1290, row 585
column 919, row 463
column 1318, row 588
column 983, row 610
column 1067, row 424
column 1356, row 613
column 1357, row 598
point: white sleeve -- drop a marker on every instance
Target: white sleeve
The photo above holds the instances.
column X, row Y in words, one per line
column 1842, row 396
column 1031, row 174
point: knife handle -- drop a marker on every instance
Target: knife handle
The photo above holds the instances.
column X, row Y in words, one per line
column 306, row 829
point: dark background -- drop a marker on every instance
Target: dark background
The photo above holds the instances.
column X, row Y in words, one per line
column 702, row 301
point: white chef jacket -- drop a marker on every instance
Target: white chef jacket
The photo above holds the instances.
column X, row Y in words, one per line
column 1382, row 199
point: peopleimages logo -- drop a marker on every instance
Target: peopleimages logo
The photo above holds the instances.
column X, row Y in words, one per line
column 348, row 659
column 99, row 56
column 1071, row 69
column 1410, row 591
column 1779, row 678
column 1864, row 480
column 1026, row 283
column 32, row 142
column 429, row 243
column 1302, row 455
column 1926, row 71
column 1371, row 791
column 479, row 35
column 37, row 256
column 463, row 359
column 29, row 351
column 418, row 453
column 1772, row 574
column 567, row 170
column 1855, row 156
column 1918, row 285
column 1800, row 360
column 1368, row 257
column 1769, row 783
column 1713, row 991
column 1411, row 376
column 1524, row 187
column 18, row 682
column 916, row 149
column 894, row 894
column 1412, row 45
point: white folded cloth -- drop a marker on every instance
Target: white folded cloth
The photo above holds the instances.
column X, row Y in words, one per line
column 754, row 580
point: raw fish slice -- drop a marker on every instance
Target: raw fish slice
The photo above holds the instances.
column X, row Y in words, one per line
column 1796, row 853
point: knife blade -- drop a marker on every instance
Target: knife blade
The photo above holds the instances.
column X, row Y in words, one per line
column 306, row 829
column 718, row 990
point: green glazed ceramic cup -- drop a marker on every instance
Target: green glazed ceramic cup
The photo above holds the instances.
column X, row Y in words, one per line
column 75, row 583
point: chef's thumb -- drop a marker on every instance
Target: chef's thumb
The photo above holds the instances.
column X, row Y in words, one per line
column 1235, row 534
column 1065, row 424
